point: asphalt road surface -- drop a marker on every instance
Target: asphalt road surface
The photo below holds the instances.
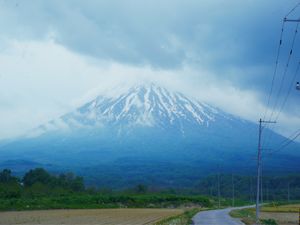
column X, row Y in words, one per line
column 216, row 217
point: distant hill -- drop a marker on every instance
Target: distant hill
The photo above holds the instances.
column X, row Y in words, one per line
column 146, row 135
column 19, row 165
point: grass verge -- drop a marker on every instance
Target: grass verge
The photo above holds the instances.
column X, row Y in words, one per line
column 182, row 219
column 246, row 215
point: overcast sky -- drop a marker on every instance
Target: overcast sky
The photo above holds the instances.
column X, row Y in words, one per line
column 55, row 55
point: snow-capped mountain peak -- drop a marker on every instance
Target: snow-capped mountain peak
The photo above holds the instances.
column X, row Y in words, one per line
column 142, row 105
column 148, row 105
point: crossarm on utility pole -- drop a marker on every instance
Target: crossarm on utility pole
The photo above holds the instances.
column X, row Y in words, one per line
column 291, row 20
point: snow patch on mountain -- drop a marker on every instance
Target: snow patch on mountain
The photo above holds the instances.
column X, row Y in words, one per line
column 142, row 105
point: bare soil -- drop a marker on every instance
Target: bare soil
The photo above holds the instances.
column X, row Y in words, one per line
column 282, row 218
column 88, row 216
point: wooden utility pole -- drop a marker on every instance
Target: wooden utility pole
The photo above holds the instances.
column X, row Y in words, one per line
column 251, row 190
column 258, row 186
column 288, row 191
column 261, row 183
column 258, row 171
column 219, row 191
column 267, row 192
column 232, row 182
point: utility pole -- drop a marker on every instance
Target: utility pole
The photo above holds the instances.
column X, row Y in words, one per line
column 219, row 192
column 232, row 182
column 267, row 192
column 261, row 183
column 251, row 191
column 258, row 170
column 259, row 167
column 288, row 191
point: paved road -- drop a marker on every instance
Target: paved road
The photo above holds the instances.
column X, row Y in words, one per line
column 216, row 217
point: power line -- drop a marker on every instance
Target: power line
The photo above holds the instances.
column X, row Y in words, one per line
column 286, row 144
column 270, row 136
column 287, row 65
column 292, row 84
column 285, row 71
column 275, row 70
column 277, row 57
column 292, row 10
column 289, row 137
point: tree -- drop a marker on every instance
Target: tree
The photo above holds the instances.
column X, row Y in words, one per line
column 77, row 184
column 6, row 177
column 37, row 175
column 141, row 189
column 9, row 185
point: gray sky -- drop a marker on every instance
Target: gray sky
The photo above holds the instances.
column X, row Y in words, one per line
column 55, row 55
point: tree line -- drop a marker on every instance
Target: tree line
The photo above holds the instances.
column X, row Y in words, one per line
column 38, row 182
column 38, row 189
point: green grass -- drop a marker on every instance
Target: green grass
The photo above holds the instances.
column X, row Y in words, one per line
column 87, row 201
column 268, row 222
column 182, row 219
column 246, row 215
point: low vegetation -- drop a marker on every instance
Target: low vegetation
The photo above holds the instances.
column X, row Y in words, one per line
column 246, row 215
column 90, row 201
column 40, row 190
column 271, row 214
column 182, row 219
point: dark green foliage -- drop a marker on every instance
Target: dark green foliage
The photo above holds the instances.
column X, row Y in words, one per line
column 141, row 189
column 268, row 222
column 40, row 182
column 71, row 181
column 6, row 177
column 38, row 175
column 88, row 201
column 10, row 190
column 9, row 185
column 41, row 190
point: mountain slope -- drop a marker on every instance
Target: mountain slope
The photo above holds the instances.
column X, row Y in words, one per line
column 145, row 131
column 146, row 106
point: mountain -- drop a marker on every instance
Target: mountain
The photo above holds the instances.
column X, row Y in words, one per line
column 145, row 135
column 142, row 106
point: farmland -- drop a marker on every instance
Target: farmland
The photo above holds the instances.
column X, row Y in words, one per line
column 88, row 216
column 281, row 213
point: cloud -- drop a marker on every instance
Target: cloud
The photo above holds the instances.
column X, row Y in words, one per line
column 56, row 55
column 162, row 34
column 43, row 80
column 220, row 35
